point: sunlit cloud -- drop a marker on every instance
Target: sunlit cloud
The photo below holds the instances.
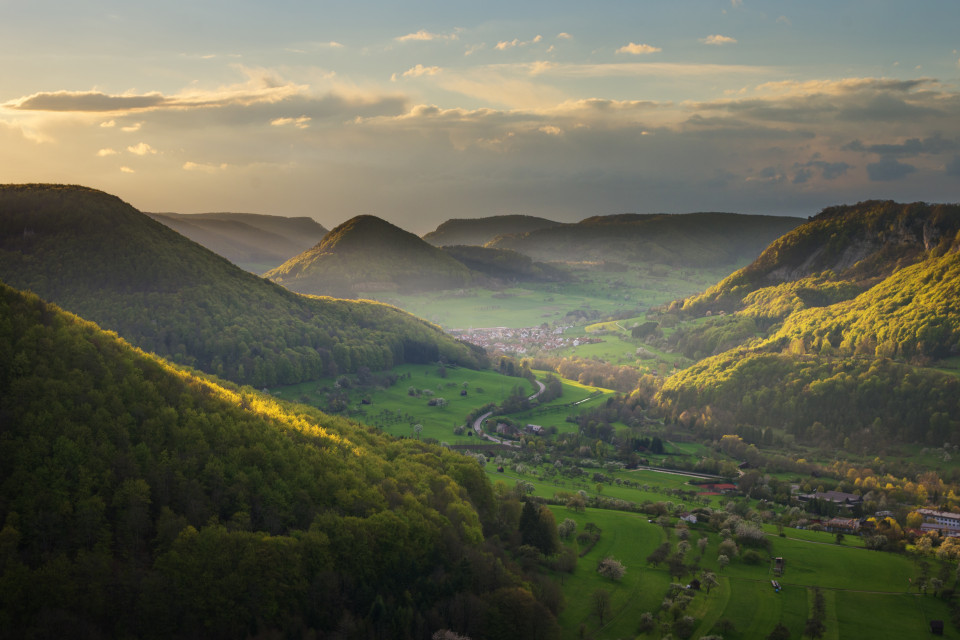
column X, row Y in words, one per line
column 303, row 122
column 126, row 170
column 503, row 45
column 421, row 70
column 718, row 40
column 426, row 36
column 108, row 124
column 141, row 149
column 563, row 35
column 106, row 152
column 638, row 49
column 131, row 127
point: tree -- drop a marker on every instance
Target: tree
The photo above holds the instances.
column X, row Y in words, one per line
column 417, row 428
column 722, row 561
column 538, row 528
column 612, row 568
column 709, row 580
column 601, row 603
column 779, row 632
column 567, row 528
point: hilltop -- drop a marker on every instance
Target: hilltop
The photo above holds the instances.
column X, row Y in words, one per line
column 833, row 326
column 480, row 231
column 141, row 500
column 95, row 255
column 251, row 241
column 367, row 253
column 673, row 240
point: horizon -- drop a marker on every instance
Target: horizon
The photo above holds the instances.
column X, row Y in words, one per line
column 422, row 115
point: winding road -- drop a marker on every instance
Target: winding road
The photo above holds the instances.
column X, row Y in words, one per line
column 478, row 423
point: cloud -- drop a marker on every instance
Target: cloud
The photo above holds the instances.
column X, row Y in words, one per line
column 952, row 168
column 426, row 36
column 472, row 49
column 638, row 49
column 888, row 170
column 261, row 86
column 126, row 170
column 85, row 101
column 718, row 40
column 106, row 152
column 142, row 149
column 910, row 148
column 108, row 124
column 421, row 70
column 204, row 167
column 303, row 122
column 503, row 45
column 828, row 170
column 563, row 35
column 131, row 127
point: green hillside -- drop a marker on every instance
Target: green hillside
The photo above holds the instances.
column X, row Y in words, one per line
column 97, row 256
column 480, row 231
column 140, row 500
column 367, row 253
column 254, row 242
column 820, row 315
column 692, row 240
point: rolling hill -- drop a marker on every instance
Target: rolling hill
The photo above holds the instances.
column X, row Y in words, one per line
column 94, row 255
column 367, row 253
column 252, row 241
column 833, row 326
column 142, row 500
column 672, row 240
column 480, row 231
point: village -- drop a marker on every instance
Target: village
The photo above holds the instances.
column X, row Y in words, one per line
column 522, row 341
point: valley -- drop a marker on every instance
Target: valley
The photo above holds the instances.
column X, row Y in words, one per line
column 687, row 420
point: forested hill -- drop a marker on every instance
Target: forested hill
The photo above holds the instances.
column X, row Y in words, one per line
column 675, row 240
column 94, row 255
column 139, row 500
column 854, row 246
column 367, row 253
column 480, row 231
column 252, row 241
column 839, row 322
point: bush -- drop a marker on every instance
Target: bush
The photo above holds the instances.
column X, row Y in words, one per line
column 752, row 557
column 611, row 568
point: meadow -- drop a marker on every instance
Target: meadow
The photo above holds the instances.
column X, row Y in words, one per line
column 868, row 594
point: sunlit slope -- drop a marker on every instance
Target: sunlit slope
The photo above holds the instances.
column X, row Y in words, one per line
column 367, row 253
column 838, row 320
column 97, row 256
column 678, row 240
column 479, row 231
column 252, row 241
column 140, row 500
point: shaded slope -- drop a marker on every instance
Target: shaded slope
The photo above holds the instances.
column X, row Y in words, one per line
column 505, row 265
column 367, row 253
column 693, row 239
column 97, row 256
column 251, row 241
column 479, row 231
column 138, row 500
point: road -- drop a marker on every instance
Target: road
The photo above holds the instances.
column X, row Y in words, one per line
column 543, row 388
column 478, row 423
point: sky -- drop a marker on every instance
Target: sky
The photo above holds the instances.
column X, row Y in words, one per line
column 418, row 112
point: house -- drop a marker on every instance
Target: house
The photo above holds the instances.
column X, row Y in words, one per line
column 842, row 525
column 535, row 429
column 848, row 500
column 947, row 518
column 689, row 517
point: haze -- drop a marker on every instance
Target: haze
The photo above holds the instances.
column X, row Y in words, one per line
column 443, row 110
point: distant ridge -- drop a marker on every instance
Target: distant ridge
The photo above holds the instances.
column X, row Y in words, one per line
column 480, row 231
column 693, row 239
column 96, row 256
column 252, row 241
column 367, row 253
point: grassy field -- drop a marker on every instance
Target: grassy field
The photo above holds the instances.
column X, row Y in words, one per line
column 396, row 412
column 867, row 593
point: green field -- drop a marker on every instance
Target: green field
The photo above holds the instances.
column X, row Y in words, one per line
column 396, row 412
column 867, row 593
